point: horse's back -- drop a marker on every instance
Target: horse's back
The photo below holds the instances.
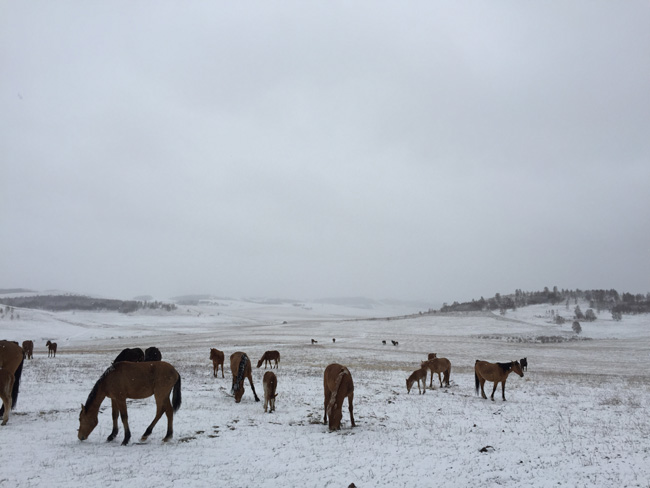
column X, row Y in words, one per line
column 330, row 377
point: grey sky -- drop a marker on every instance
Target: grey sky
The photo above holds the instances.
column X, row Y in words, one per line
column 418, row 150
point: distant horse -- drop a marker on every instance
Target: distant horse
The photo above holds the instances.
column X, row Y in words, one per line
column 268, row 357
column 418, row 375
column 432, row 355
column 333, row 339
column 127, row 379
column 240, row 366
column 395, row 343
column 496, row 372
column 314, row 342
column 524, row 364
column 270, row 383
column 6, row 386
column 337, row 384
column 11, row 360
column 217, row 358
column 134, row 355
column 28, row 349
column 383, row 342
column 152, row 354
column 438, row 365
column 51, row 349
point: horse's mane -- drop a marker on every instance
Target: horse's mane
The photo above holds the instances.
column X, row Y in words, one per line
column 240, row 372
column 335, row 392
column 93, row 392
column 505, row 366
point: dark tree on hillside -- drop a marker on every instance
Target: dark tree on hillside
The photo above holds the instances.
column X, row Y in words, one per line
column 576, row 327
column 578, row 313
column 590, row 316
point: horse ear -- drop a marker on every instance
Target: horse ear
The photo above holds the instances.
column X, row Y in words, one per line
column 83, row 409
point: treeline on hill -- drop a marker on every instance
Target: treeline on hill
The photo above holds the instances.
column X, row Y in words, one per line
column 60, row 303
column 611, row 300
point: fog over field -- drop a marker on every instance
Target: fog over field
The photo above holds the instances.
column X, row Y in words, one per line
column 578, row 417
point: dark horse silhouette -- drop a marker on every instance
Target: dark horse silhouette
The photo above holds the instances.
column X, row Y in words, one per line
column 135, row 355
column 152, row 354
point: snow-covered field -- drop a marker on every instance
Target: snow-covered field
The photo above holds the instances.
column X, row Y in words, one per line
column 579, row 417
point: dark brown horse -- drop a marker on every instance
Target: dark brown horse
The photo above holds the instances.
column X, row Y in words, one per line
column 217, row 358
column 524, row 364
column 496, row 372
column 6, row 386
column 337, row 384
column 152, row 354
column 240, row 366
column 28, row 349
column 267, row 357
column 432, row 355
column 127, row 379
column 270, row 383
column 11, row 360
column 132, row 354
column 438, row 365
column 418, row 375
column 51, row 349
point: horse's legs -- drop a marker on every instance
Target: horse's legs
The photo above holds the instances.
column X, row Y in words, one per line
column 125, row 421
column 503, row 389
column 482, row 381
column 431, row 382
column 115, row 412
column 440, row 379
column 496, row 383
column 327, row 398
column 350, row 398
column 222, row 371
column 250, row 380
column 160, row 408
column 6, row 402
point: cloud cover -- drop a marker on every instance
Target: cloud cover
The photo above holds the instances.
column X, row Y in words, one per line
column 424, row 150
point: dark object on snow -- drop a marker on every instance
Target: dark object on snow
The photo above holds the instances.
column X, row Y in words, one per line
column 152, row 354
column 134, row 355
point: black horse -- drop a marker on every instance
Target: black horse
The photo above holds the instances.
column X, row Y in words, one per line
column 524, row 364
column 135, row 355
column 152, row 354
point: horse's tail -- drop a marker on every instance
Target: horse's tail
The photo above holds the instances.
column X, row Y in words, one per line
column 14, row 392
column 476, row 381
column 176, row 396
column 448, row 374
column 240, row 372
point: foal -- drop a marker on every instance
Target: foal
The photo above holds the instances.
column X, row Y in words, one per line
column 217, row 358
column 270, row 383
column 418, row 375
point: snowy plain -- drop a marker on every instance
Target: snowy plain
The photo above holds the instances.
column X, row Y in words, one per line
column 578, row 417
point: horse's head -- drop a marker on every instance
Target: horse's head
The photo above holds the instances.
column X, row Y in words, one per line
column 408, row 386
column 87, row 422
column 213, row 353
column 516, row 367
column 259, row 363
column 239, row 392
column 335, row 414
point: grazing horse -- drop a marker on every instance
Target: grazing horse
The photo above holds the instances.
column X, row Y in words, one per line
column 127, row 379
column 524, row 364
column 418, row 375
column 6, row 385
column 51, row 349
column 28, row 349
column 438, row 365
column 11, row 361
column 152, row 354
column 395, row 343
column 432, row 355
column 269, row 356
column 337, row 384
column 314, row 342
column 134, row 355
column 240, row 366
column 383, row 342
column 496, row 372
column 217, row 358
column 270, row 383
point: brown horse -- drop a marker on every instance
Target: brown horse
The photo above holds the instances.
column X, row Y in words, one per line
column 432, row 355
column 127, row 379
column 438, row 365
column 6, row 386
column 496, row 372
column 269, row 356
column 240, row 366
column 11, row 360
column 270, row 382
column 28, row 349
column 337, row 384
column 217, row 358
column 51, row 349
column 418, row 375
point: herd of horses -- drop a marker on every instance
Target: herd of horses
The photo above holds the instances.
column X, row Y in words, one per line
column 138, row 374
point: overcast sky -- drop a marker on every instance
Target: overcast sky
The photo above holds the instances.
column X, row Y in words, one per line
column 427, row 150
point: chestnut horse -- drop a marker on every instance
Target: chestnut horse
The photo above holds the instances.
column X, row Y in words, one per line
column 6, row 385
column 28, row 349
column 496, row 372
column 270, row 383
column 337, row 384
column 152, row 354
column 11, row 360
column 51, row 349
column 217, row 358
column 438, row 365
column 127, row 379
column 134, row 355
column 418, row 375
column 240, row 366
column 269, row 356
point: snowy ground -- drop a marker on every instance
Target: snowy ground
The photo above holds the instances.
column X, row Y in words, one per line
column 579, row 417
